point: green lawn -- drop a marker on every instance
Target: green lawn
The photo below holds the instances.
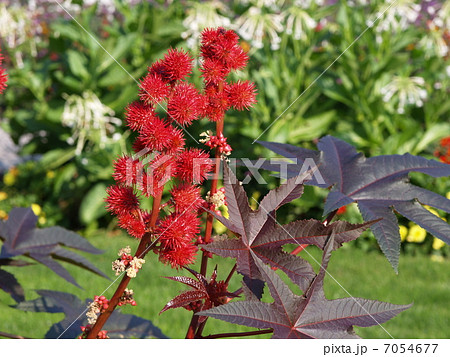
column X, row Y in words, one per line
column 366, row 275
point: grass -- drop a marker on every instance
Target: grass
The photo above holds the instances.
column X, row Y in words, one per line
column 366, row 275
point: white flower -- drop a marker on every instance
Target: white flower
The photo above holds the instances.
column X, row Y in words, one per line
column 89, row 119
column 134, row 267
column 253, row 25
column 126, row 250
column 202, row 15
column 396, row 15
column 407, row 90
column 298, row 22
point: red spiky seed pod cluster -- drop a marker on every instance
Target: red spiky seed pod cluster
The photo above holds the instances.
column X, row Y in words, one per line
column 160, row 148
column 3, row 75
column 221, row 54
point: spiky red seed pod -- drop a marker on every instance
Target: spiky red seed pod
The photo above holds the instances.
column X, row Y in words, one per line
column 238, row 58
column 160, row 136
column 139, row 146
column 213, row 71
column 178, row 229
column 185, row 104
column 121, row 199
column 159, row 69
column 138, row 114
column 186, row 197
column 216, row 103
column 127, row 170
column 241, row 95
column 179, row 257
column 160, row 170
column 177, row 63
column 152, row 89
column 193, row 166
column 133, row 224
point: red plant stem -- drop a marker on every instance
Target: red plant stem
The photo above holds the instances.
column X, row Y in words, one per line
column 210, row 217
column 141, row 251
column 240, row 334
column 193, row 326
column 230, row 274
column 326, row 221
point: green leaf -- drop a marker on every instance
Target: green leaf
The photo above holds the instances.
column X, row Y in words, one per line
column 77, row 64
column 93, row 204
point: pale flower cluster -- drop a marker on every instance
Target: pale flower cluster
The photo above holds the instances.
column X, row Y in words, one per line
column 92, row 313
column 407, row 90
column 134, row 267
column 89, row 119
column 218, row 199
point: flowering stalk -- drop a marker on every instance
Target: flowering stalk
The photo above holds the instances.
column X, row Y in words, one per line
column 161, row 156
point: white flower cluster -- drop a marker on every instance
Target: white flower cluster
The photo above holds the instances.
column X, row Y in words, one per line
column 408, row 90
column 134, row 267
column 92, row 313
column 218, row 199
column 89, row 119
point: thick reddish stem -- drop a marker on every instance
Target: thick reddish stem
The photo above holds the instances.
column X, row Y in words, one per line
column 141, row 251
column 240, row 334
column 193, row 326
column 210, row 217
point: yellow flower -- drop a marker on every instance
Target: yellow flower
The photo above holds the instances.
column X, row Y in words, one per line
column 3, row 214
column 403, row 232
column 42, row 220
column 416, row 234
column 432, row 210
column 36, row 209
column 437, row 244
column 9, row 178
column 3, row 195
column 448, row 195
column 50, row 174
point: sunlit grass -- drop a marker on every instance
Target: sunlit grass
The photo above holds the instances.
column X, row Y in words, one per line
column 366, row 275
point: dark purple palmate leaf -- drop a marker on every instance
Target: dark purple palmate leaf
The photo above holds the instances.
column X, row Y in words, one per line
column 260, row 235
column 118, row 325
column 308, row 316
column 379, row 185
column 47, row 245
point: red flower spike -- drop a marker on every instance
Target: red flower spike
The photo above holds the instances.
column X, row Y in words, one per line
column 178, row 64
column 121, row 199
column 153, row 89
column 138, row 114
column 241, row 94
column 186, row 197
column 193, row 166
column 185, row 104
